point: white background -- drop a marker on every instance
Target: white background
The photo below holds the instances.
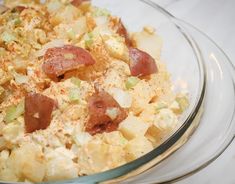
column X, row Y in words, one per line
column 217, row 19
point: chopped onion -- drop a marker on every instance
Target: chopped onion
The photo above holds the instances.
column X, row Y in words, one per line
column 65, row 152
column 101, row 20
column 51, row 44
column 82, row 138
column 112, row 113
column 30, row 71
column 122, row 97
column 88, row 39
column 131, row 82
column 20, row 79
column 54, row 6
column 14, row 112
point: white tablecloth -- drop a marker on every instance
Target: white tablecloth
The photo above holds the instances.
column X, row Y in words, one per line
column 217, row 19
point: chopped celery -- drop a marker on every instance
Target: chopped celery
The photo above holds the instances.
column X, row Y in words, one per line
column 7, row 37
column 88, row 39
column 88, row 43
column 76, row 81
column 74, row 94
column 131, row 82
column 71, row 34
column 14, row 112
column 100, row 12
column 17, row 21
column 90, row 35
column 123, row 140
column 160, row 105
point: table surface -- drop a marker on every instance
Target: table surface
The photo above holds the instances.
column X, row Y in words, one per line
column 216, row 18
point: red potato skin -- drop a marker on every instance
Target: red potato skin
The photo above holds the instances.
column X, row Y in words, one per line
column 98, row 121
column 56, row 63
column 77, row 3
column 141, row 63
column 19, row 8
column 38, row 110
column 121, row 30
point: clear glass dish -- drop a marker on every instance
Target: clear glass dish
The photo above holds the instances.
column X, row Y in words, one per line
column 187, row 61
column 184, row 62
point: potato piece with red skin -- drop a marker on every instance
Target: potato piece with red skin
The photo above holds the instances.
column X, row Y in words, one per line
column 121, row 30
column 77, row 3
column 38, row 110
column 141, row 63
column 59, row 60
column 99, row 121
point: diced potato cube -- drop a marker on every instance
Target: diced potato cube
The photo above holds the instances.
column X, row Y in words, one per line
column 137, row 147
column 114, row 138
column 148, row 114
column 133, row 127
column 165, row 123
column 12, row 131
column 93, row 157
column 98, row 156
column 82, row 138
column 60, row 166
column 6, row 173
column 67, row 14
column 4, row 154
column 148, row 42
column 166, row 120
column 175, row 107
column 28, row 162
column 142, row 93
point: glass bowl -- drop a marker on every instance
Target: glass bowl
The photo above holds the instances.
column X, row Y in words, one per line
column 187, row 61
column 186, row 66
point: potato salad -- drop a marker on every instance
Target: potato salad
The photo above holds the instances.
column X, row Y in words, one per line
column 79, row 94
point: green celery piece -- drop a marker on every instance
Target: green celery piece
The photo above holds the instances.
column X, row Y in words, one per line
column 131, row 82
column 14, row 112
column 76, row 81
